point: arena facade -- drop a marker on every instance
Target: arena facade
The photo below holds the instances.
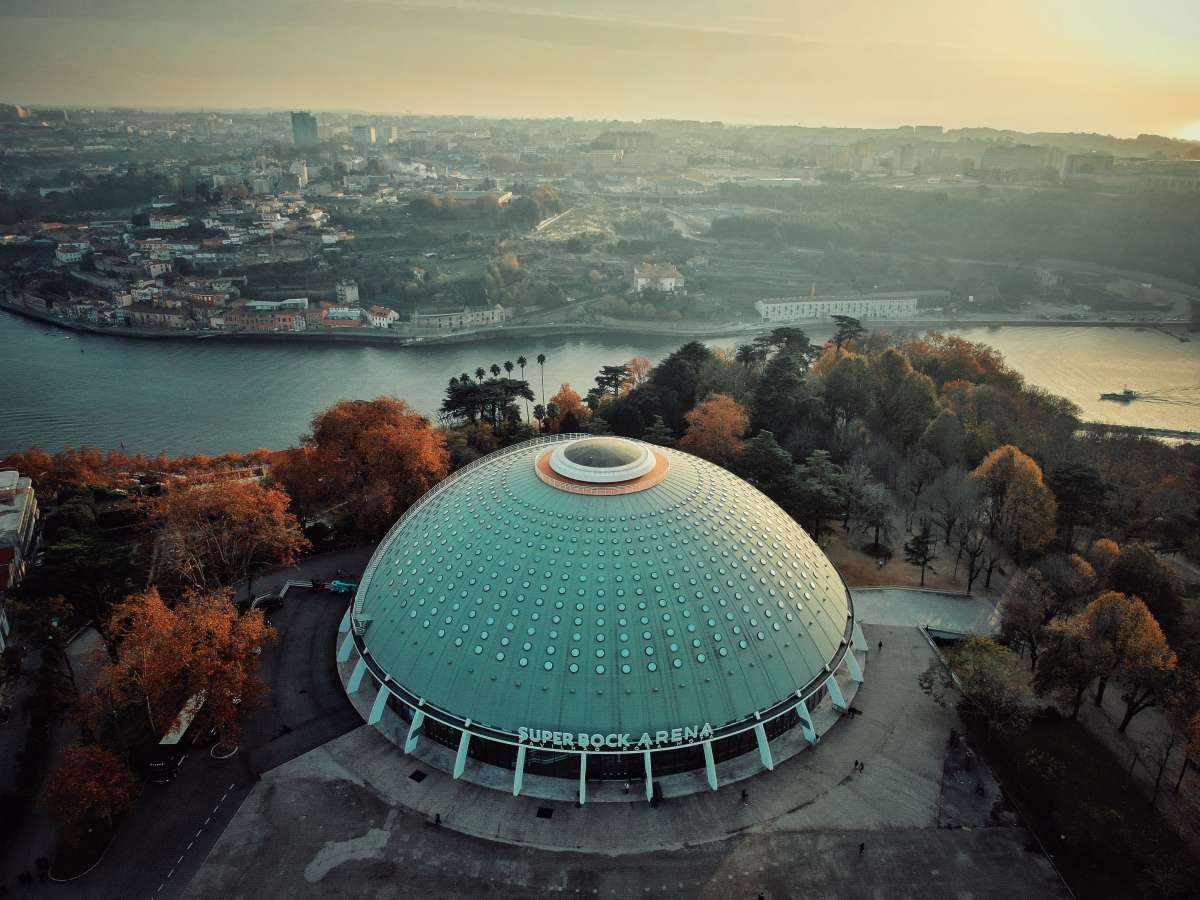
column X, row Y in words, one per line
column 589, row 608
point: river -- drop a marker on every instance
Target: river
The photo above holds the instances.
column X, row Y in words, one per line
column 62, row 388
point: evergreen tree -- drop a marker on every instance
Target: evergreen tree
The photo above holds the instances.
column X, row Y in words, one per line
column 921, row 549
column 659, row 433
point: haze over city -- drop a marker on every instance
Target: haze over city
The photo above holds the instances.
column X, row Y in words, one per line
column 1108, row 66
column 617, row 449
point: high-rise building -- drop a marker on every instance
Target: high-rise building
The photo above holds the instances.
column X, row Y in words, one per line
column 304, row 129
column 364, row 134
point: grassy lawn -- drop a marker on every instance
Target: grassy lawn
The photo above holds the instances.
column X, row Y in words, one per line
column 860, row 569
column 1103, row 834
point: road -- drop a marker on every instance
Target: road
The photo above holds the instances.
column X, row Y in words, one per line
column 173, row 827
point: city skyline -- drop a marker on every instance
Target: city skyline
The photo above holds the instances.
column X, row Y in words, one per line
column 1067, row 66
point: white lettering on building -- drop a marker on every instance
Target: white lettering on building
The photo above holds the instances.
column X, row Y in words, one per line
column 615, row 741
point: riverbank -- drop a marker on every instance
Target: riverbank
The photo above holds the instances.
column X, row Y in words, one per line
column 696, row 331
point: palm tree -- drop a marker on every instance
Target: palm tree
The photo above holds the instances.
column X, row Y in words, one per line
column 464, row 378
column 479, row 373
column 495, row 371
column 508, row 367
column 539, row 413
column 541, row 361
column 521, row 363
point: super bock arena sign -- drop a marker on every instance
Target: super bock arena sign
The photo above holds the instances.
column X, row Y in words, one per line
column 583, row 741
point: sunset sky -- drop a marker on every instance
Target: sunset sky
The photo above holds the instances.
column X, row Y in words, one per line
column 1115, row 66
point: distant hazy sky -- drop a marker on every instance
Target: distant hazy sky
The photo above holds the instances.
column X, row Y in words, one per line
column 1117, row 66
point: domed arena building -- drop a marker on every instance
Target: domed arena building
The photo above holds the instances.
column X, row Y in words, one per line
column 590, row 608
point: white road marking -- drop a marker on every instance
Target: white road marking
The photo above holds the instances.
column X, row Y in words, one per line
column 172, row 872
column 189, row 846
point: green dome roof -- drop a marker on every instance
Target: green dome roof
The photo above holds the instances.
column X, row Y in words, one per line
column 502, row 599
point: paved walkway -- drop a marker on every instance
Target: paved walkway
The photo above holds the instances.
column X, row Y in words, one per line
column 348, row 819
column 913, row 607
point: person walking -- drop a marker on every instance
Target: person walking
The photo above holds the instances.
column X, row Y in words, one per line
column 745, row 798
column 862, row 848
column 881, row 645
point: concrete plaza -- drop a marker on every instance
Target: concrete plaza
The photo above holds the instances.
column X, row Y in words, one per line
column 348, row 818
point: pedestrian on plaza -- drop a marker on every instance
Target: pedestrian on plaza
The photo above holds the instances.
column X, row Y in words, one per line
column 861, row 848
column 437, row 820
column 745, row 798
column 881, row 645
column 856, row 765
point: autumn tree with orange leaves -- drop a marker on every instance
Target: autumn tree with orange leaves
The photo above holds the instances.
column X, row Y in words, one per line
column 211, row 535
column 1131, row 647
column 90, row 786
column 365, row 462
column 1019, row 508
column 165, row 655
column 572, row 413
column 715, row 428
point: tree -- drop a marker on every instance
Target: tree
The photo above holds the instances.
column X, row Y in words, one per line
column 951, row 497
column 90, row 572
column 1147, row 673
column 365, row 461
column 1139, row 571
column 820, row 490
column 539, row 415
column 541, row 361
column 522, row 362
column 166, row 655
column 675, row 381
column 1070, row 661
column 1020, row 509
column 783, row 399
column 974, row 546
column 1027, row 607
column 921, row 549
column 1182, row 711
column 919, row 472
column 858, row 477
column 223, row 661
column 767, row 466
column 639, row 371
column 658, row 433
column 994, row 684
column 875, row 508
column 1081, row 492
column 90, row 786
column 944, row 438
column 1129, row 640
column 611, row 380
column 715, row 428
column 845, row 387
column 597, row 425
column 210, row 535
column 846, row 330
column 904, row 400
column 1102, row 554
column 571, row 410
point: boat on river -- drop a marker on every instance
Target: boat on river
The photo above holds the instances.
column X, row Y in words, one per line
column 1125, row 396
